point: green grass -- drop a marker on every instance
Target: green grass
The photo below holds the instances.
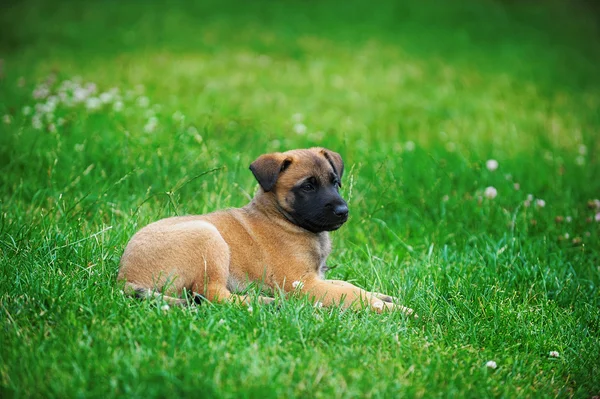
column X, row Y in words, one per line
column 461, row 82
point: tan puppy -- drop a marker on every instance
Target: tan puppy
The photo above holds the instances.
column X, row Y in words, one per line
column 280, row 239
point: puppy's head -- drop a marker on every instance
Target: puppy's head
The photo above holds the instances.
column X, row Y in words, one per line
column 305, row 186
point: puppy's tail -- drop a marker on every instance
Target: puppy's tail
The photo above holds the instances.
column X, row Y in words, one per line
column 141, row 292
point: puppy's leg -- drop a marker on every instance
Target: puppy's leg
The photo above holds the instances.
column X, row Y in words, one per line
column 338, row 292
column 378, row 295
column 146, row 293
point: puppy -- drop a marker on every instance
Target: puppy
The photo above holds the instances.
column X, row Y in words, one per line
column 280, row 239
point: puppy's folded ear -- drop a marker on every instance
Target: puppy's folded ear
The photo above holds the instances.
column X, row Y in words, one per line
column 266, row 169
column 335, row 160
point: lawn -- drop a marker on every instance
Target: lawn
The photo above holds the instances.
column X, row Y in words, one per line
column 116, row 114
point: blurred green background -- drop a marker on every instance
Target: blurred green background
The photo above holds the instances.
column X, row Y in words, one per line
column 415, row 95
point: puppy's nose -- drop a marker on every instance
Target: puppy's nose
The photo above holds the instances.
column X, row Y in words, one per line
column 341, row 211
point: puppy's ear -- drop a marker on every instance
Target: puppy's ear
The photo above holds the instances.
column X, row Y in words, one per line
column 335, row 160
column 266, row 169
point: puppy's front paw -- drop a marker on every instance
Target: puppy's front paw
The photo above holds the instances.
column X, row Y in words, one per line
column 381, row 303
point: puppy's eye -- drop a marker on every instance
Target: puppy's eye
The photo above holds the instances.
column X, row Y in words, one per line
column 308, row 187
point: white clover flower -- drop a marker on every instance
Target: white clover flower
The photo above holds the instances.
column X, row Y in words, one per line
column 42, row 91
column 165, row 307
column 554, row 354
column 297, row 117
column 80, row 94
column 106, row 97
column 529, row 197
column 491, row 364
column 36, row 122
column 118, row 106
column 250, row 310
column 93, row 103
column 517, row 186
column 143, row 101
column 409, row 146
column 7, row 119
column 297, row 285
column 90, row 88
column 597, row 217
column 526, row 203
column 568, row 219
column 540, row 203
column 26, row 110
column 490, row 192
column 151, row 125
column 580, row 160
column 221, row 322
column 445, row 198
column 582, row 149
column 300, row 128
column 491, row 164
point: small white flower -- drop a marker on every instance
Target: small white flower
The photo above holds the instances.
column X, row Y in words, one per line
column 7, row 119
column 80, row 94
column 297, row 284
column 151, row 125
column 582, row 149
column 580, row 160
column 517, row 186
column 526, row 203
column 165, row 307
column 36, row 122
column 221, row 322
column 490, row 192
column 90, row 88
column 106, row 97
column 250, row 309
column 554, row 354
column 597, row 217
column 409, row 146
column 567, row 236
column 40, row 92
column 491, row 364
column 445, row 198
column 118, row 106
column 26, row 110
column 491, row 164
column 568, row 219
column 300, row 128
column 540, row 203
column 93, row 103
column 529, row 197
column 52, row 128
column 143, row 101
column 297, row 117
